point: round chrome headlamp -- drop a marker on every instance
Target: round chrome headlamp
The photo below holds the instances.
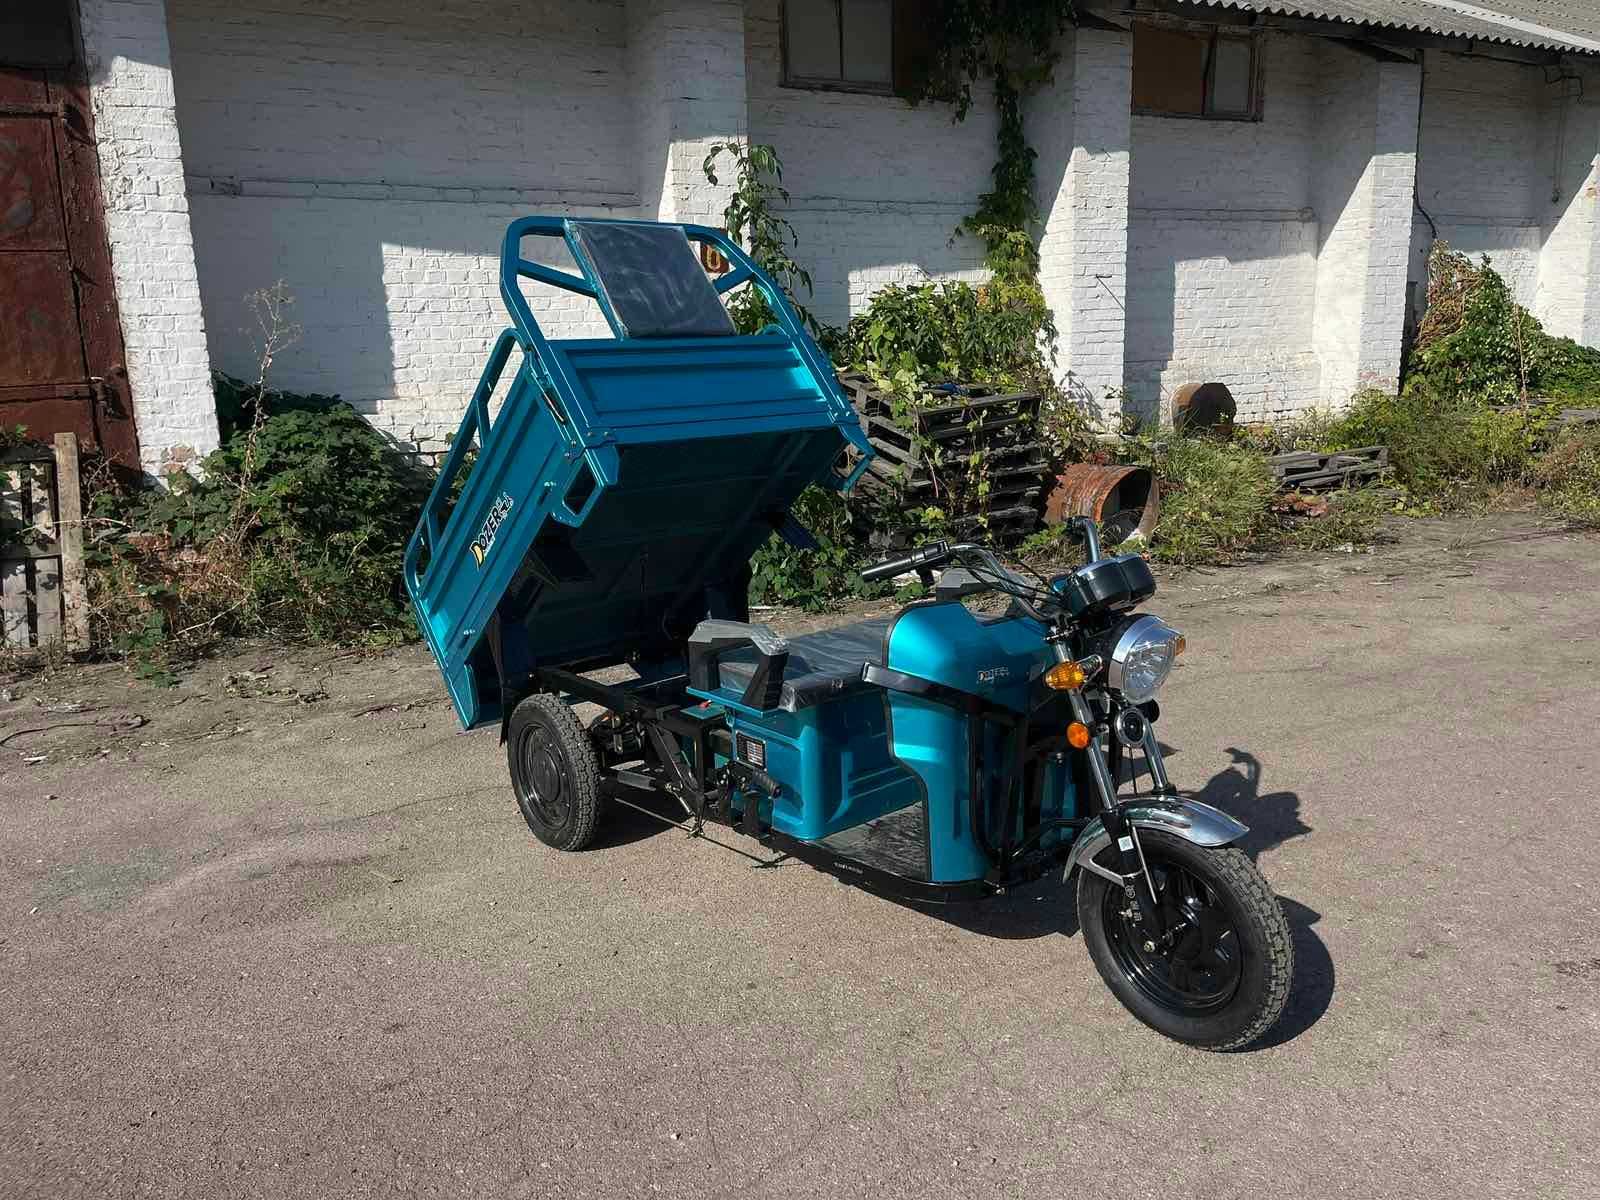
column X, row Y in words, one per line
column 1142, row 658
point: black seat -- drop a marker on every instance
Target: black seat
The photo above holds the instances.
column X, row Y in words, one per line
column 821, row 666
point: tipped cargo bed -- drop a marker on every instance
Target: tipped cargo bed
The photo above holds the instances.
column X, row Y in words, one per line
column 624, row 483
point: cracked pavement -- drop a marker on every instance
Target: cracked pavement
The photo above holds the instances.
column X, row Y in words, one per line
column 287, row 936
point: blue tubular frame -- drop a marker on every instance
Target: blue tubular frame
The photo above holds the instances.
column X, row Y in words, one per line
column 514, row 267
column 548, row 372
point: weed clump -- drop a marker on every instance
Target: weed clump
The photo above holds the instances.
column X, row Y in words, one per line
column 295, row 529
column 1216, row 498
column 1569, row 475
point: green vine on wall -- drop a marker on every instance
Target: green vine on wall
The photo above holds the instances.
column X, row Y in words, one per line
column 751, row 220
column 1015, row 45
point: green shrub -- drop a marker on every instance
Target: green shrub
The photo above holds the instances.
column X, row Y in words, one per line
column 1476, row 344
column 1444, row 448
column 814, row 579
column 297, row 529
column 952, row 331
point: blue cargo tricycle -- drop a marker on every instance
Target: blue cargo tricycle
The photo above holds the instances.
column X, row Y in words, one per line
column 605, row 517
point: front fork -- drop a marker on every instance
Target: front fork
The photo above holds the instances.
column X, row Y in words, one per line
column 1124, row 835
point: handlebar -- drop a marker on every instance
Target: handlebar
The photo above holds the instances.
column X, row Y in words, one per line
column 1089, row 531
column 934, row 554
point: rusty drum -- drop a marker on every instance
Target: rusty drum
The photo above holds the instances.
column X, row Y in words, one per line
column 1125, row 500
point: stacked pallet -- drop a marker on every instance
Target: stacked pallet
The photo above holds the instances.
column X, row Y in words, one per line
column 1002, row 426
column 1308, row 471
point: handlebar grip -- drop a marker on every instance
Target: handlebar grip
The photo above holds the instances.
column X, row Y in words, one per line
column 924, row 556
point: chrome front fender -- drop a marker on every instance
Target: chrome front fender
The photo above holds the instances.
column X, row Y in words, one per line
column 1189, row 819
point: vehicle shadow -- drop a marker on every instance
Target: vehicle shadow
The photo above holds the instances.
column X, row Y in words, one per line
column 1048, row 906
column 1273, row 817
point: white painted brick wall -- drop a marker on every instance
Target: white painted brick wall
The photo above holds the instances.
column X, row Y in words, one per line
column 1567, row 298
column 1362, row 192
column 1483, row 171
column 378, row 152
column 370, row 156
column 1222, row 298
column 687, row 62
column 1222, row 247
column 877, row 185
column 1082, row 173
column 1393, row 173
column 147, row 224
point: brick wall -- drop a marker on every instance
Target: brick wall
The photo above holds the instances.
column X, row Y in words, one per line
column 877, row 185
column 1362, row 192
column 370, row 156
column 1567, row 299
column 147, row 223
column 686, row 65
column 1222, row 247
column 1481, row 175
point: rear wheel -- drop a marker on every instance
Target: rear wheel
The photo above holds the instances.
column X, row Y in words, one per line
column 554, row 772
column 1220, row 976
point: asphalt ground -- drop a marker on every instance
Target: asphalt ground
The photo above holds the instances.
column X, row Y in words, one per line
column 281, row 932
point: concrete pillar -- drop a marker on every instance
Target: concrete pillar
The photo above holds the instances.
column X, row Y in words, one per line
column 688, row 64
column 147, row 224
column 1567, row 295
column 1080, row 125
column 1362, row 192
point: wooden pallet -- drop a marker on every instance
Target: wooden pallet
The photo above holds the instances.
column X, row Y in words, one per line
column 1004, row 425
column 1308, row 471
column 43, row 598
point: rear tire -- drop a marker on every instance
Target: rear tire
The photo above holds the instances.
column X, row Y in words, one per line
column 1224, row 981
column 554, row 773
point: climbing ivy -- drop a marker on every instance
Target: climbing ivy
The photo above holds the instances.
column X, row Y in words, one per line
column 1015, row 45
column 750, row 219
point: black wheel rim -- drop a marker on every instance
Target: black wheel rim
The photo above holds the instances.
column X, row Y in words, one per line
column 542, row 779
column 1196, row 968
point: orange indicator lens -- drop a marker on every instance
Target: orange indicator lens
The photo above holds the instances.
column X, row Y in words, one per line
column 1078, row 735
column 1063, row 677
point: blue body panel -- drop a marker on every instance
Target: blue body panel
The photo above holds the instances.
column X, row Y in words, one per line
column 618, row 481
column 833, row 764
column 873, row 752
column 999, row 660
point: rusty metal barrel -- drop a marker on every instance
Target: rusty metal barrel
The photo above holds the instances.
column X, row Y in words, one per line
column 1125, row 500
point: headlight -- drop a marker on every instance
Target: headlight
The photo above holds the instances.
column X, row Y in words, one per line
column 1142, row 658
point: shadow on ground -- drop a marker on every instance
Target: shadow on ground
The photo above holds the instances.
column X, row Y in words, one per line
column 1048, row 906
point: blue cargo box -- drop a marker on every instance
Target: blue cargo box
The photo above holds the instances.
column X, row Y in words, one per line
column 623, row 480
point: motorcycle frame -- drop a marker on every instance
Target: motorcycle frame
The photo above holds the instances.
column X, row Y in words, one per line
column 657, row 710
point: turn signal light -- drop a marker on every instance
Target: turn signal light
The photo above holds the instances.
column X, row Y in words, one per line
column 1078, row 735
column 1065, row 676
column 1180, row 646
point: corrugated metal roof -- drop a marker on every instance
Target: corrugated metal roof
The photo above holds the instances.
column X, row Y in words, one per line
column 1572, row 25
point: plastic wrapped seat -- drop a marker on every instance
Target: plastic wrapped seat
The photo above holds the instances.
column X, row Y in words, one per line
column 822, row 665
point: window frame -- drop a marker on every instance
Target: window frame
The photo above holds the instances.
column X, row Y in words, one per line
column 809, row 83
column 1207, row 83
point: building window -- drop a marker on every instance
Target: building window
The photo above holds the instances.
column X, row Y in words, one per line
column 1195, row 73
column 848, row 45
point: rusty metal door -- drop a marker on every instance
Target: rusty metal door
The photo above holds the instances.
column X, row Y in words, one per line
column 60, row 340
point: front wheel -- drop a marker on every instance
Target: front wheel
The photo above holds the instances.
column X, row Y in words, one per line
column 1219, row 977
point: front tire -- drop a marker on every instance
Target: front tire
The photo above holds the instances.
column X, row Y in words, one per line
column 1223, row 979
column 554, row 772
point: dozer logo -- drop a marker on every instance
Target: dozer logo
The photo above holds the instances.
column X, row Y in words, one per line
column 484, row 542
